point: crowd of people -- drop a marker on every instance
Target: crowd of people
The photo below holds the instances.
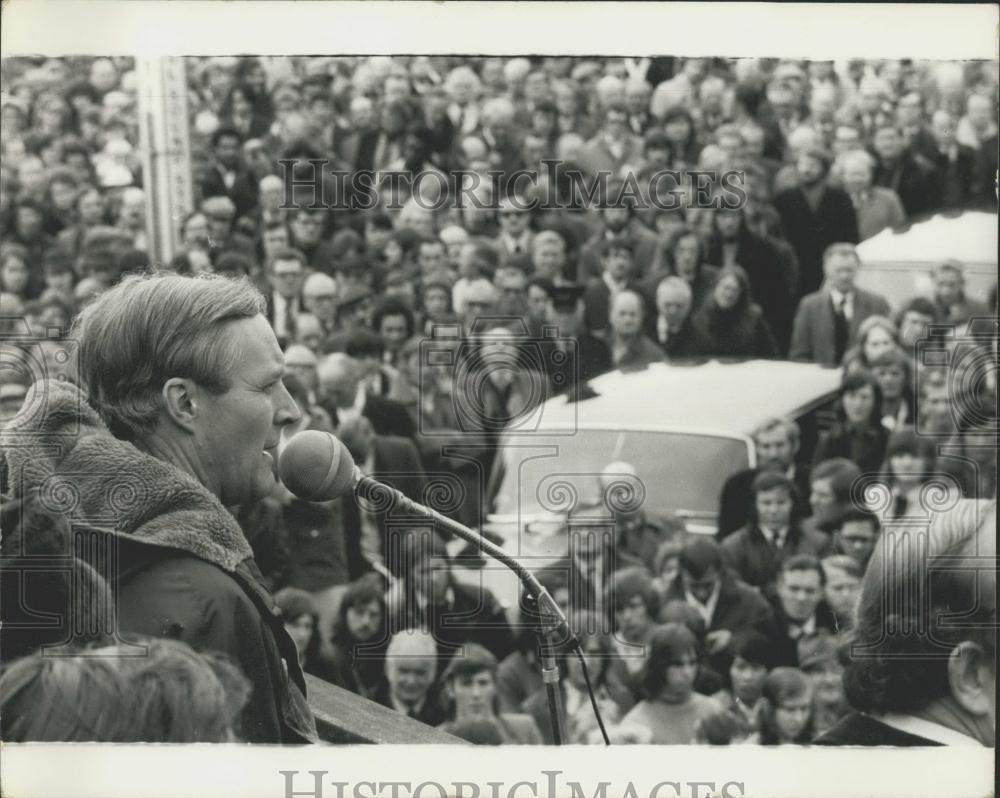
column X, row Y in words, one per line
column 405, row 321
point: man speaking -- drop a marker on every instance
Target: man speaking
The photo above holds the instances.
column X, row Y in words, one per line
column 185, row 377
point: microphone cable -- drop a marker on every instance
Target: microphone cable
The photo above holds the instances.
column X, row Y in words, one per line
column 590, row 689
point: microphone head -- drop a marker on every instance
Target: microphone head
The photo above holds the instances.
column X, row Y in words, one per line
column 316, row 467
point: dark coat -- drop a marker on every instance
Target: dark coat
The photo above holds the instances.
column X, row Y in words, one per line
column 757, row 562
column 737, row 498
column 645, row 250
column 397, row 463
column 735, row 334
column 912, row 178
column 773, row 280
column 956, row 180
column 813, row 334
column 432, row 712
column 739, row 608
column 639, row 353
column 475, row 616
column 856, row 728
column 243, row 192
column 181, row 566
column 784, row 648
column 581, row 361
column 811, row 232
column 597, row 303
column 688, row 343
column 864, row 447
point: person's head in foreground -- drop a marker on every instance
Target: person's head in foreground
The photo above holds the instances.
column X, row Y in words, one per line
column 190, row 371
column 927, row 667
column 471, row 683
column 158, row 692
column 786, row 717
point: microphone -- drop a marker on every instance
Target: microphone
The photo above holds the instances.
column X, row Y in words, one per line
column 317, row 467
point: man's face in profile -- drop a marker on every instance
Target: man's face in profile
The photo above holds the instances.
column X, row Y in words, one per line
column 237, row 431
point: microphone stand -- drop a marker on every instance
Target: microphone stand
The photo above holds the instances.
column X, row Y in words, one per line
column 553, row 628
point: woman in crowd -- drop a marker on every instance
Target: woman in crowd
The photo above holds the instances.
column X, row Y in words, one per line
column 360, row 637
column 786, row 716
column 672, row 709
column 859, row 435
column 894, row 373
column 301, row 618
column 909, row 465
column 745, row 697
column 876, row 336
column 731, row 323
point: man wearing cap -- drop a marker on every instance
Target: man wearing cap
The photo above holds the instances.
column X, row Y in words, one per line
column 582, row 355
column 815, row 215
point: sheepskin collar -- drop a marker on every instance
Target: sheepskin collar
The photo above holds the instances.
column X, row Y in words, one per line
column 64, row 451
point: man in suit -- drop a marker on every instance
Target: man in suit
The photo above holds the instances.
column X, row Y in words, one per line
column 456, row 613
column 776, row 442
column 908, row 173
column 343, row 397
column 285, row 274
column 815, row 215
column 619, row 222
column 515, row 239
column 614, row 148
column 936, row 687
column 827, row 321
column 369, row 530
column 671, row 328
column 616, row 276
column 409, row 686
column 228, row 176
column 581, row 355
column 630, row 347
column 727, row 605
column 800, row 611
column 755, row 552
column 954, row 165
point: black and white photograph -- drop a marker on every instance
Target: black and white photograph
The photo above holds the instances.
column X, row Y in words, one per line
column 385, row 385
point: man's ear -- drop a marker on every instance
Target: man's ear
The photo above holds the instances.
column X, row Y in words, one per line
column 180, row 401
column 970, row 673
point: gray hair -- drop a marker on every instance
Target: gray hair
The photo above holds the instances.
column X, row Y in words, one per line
column 411, row 643
column 791, row 429
column 146, row 330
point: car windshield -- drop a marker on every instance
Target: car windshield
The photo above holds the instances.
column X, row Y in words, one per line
column 680, row 472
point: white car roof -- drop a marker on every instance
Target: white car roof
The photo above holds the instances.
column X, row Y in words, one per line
column 970, row 238
column 713, row 397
